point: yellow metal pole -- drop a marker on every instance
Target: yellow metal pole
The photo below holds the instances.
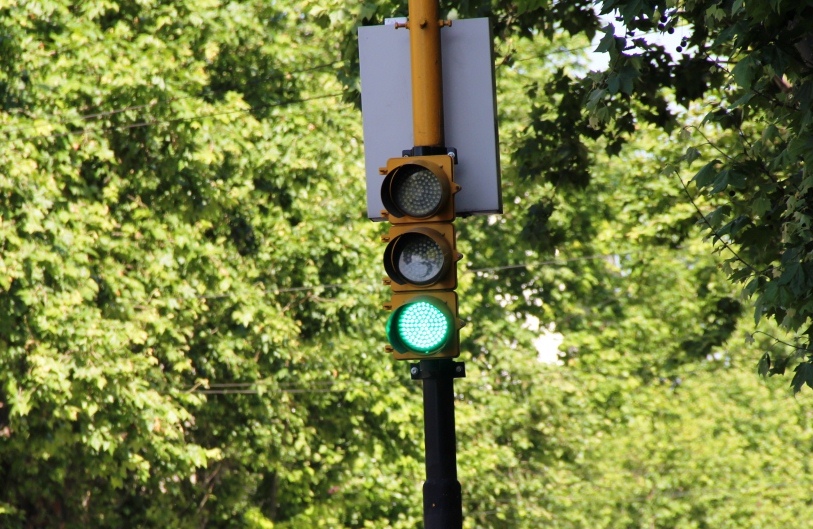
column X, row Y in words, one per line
column 427, row 80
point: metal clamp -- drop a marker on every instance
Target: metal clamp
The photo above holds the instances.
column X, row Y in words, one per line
column 436, row 369
column 429, row 151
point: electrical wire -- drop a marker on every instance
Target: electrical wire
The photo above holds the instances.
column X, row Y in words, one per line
column 757, row 490
column 182, row 119
column 549, row 262
column 369, row 281
column 107, row 113
column 572, row 51
column 145, row 123
column 332, row 64
column 340, row 386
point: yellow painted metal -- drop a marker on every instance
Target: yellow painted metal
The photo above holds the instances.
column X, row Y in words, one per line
column 427, row 81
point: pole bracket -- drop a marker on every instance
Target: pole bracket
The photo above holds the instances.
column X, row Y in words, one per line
column 429, row 151
column 437, row 369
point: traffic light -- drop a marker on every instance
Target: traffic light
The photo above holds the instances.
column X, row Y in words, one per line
column 421, row 258
column 419, row 189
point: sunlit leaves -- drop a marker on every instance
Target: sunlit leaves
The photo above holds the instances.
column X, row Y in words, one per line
column 755, row 89
column 191, row 332
column 162, row 234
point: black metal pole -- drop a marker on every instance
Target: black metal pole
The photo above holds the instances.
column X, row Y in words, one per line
column 442, row 497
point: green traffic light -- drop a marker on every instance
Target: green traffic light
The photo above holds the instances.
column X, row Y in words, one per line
column 423, row 325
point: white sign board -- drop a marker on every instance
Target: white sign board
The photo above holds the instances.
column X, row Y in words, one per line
column 469, row 106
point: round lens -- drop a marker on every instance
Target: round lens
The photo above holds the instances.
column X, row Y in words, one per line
column 423, row 327
column 421, row 260
column 418, row 194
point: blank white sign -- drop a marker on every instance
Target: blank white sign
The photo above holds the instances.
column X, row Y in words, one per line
column 469, row 107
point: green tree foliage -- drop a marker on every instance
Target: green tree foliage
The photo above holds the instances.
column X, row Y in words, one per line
column 190, row 331
column 171, row 225
column 649, row 323
column 750, row 68
column 744, row 69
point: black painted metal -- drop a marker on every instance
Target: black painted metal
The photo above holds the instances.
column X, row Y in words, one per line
column 442, row 496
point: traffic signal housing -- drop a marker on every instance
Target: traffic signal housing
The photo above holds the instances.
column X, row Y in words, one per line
column 421, row 257
column 424, row 326
column 419, row 189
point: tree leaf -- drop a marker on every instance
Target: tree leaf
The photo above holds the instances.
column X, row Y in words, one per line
column 607, row 42
column 691, row 155
column 764, row 366
column 706, row 174
column 744, row 71
column 803, row 375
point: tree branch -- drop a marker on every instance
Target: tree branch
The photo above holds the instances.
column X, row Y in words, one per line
column 706, row 221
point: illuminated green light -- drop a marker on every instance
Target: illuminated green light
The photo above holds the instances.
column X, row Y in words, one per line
column 422, row 326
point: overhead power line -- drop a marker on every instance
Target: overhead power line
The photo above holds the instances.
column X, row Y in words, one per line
column 63, row 117
column 151, row 122
column 487, row 377
column 366, row 282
